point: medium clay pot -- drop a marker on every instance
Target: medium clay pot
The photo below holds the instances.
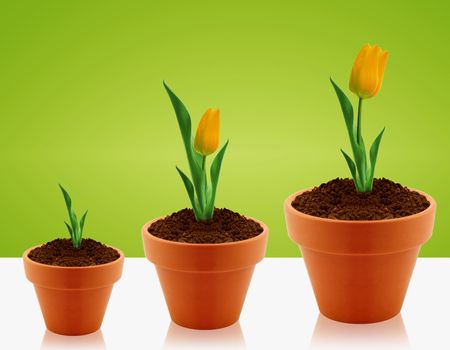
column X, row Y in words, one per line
column 359, row 270
column 73, row 300
column 204, row 284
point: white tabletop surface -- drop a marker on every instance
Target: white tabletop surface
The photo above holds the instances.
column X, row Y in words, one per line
column 280, row 312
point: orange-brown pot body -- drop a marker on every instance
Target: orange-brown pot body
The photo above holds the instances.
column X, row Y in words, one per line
column 73, row 300
column 204, row 284
column 359, row 270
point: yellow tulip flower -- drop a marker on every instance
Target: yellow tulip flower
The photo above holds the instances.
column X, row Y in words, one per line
column 207, row 136
column 368, row 71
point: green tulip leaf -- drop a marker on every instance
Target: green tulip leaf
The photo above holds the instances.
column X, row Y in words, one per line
column 183, row 118
column 347, row 110
column 353, row 171
column 69, row 229
column 190, row 191
column 83, row 219
column 67, row 199
column 373, row 155
column 214, row 174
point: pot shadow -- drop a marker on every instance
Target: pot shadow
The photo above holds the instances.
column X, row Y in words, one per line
column 390, row 334
column 230, row 337
column 53, row 341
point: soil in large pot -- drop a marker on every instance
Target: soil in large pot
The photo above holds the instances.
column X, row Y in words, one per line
column 338, row 199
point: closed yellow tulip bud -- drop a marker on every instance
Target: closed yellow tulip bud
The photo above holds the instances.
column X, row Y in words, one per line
column 207, row 136
column 368, row 71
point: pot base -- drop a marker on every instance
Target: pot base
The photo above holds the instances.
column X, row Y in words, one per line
column 360, row 288
column 203, row 328
column 205, row 300
column 73, row 312
column 352, row 321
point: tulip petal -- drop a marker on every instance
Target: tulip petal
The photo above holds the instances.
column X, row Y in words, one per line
column 357, row 66
column 368, row 76
column 368, row 71
column 382, row 61
column 207, row 136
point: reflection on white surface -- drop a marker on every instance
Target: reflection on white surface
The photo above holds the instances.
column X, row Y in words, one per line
column 225, row 338
column 53, row 341
column 390, row 334
column 279, row 313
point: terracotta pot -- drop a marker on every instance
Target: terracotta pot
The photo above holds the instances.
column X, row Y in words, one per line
column 359, row 270
column 204, row 284
column 73, row 300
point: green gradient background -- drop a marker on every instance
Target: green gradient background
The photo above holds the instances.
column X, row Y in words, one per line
column 82, row 103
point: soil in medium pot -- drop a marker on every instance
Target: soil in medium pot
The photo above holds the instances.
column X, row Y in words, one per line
column 338, row 199
column 225, row 226
column 61, row 252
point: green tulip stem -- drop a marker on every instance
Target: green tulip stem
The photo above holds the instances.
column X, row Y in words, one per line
column 361, row 167
column 205, row 184
column 203, row 163
column 358, row 135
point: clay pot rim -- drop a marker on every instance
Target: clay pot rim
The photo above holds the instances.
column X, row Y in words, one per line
column 288, row 207
column 72, row 268
column 205, row 245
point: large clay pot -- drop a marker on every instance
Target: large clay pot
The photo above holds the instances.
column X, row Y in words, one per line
column 73, row 300
column 359, row 270
column 204, row 284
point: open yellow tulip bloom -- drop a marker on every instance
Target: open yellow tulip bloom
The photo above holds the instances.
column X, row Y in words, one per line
column 368, row 71
column 207, row 136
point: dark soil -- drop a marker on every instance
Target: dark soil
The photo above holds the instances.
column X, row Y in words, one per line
column 338, row 199
column 225, row 226
column 61, row 252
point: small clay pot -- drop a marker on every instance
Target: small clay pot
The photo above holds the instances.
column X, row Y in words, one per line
column 73, row 300
column 204, row 284
column 359, row 270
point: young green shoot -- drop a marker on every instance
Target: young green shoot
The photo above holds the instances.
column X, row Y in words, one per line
column 76, row 227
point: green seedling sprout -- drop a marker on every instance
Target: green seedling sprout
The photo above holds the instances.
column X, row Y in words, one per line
column 75, row 228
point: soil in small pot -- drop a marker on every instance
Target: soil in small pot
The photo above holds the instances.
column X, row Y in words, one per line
column 60, row 252
column 225, row 226
column 338, row 199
